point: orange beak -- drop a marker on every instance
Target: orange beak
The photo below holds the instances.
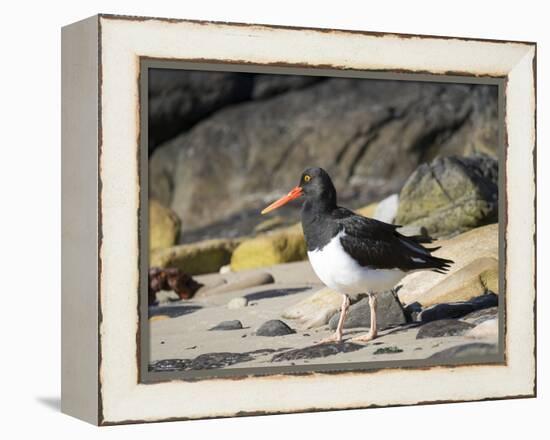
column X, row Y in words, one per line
column 293, row 194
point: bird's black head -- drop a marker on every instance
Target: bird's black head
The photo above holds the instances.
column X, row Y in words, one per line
column 315, row 186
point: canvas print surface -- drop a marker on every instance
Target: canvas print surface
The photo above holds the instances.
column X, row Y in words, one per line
column 314, row 222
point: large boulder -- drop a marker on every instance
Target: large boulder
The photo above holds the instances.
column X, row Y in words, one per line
column 474, row 279
column 370, row 135
column 451, row 195
column 266, row 86
column 180, row 98
column 473, row 272
column 315, row 310
column 197, row 258
column 280, row 246
column 164, row 225
column 389, row 313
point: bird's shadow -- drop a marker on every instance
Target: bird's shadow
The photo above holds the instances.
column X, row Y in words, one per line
column 52, row 403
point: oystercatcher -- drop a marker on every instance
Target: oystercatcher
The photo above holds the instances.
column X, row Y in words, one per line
column 352, row 254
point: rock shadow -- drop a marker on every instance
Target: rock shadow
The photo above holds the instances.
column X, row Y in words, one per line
column 172, row 311
column 274, row 293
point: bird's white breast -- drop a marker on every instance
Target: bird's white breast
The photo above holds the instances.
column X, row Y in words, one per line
column 339, row 271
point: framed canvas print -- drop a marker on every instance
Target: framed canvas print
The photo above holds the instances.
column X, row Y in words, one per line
column 262, row 219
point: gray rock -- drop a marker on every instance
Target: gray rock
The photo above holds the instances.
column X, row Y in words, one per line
column 370, row 135
column 389, row 313
column 443, row 327
column 180, row 98
column 458, row 309
column 465, row 351
column 482, row 315
column 207, row 361
column 266, row 86
column 274, row 327
column 451, row 195
column 317, row 351
column 228, row 325
column 237, row 303
column 487, row 330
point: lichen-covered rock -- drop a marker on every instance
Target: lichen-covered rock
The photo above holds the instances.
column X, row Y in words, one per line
column 451, row 195
column 164, row 225
column 197, row 258
column 281, row 246
column 479, row 243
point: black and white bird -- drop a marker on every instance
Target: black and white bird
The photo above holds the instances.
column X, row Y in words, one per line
column 352, row 254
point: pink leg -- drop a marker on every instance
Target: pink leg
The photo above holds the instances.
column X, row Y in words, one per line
column 373, row 332
column 337, row 336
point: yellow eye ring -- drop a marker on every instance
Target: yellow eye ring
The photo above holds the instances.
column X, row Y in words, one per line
column 307, row 178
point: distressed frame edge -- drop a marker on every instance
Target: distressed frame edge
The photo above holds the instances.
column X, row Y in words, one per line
column 533, row 151
column 80, row 220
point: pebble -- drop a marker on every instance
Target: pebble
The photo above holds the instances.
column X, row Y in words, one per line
column 228, row 325
column 274, row 327
column 237, row 303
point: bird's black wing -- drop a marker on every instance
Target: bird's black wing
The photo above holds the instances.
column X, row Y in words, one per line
column 379, row 245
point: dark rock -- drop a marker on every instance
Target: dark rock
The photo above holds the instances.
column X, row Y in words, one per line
column 412, row 311
column 228, row 325
column 482, row 315
column 388, row 350
column 389, row 313
column 465, row 351
column 317, row 351
column 266, row 86
column 369, row 134
column 207, row 361
column 458, row 309
column 274, row 327
column 443, row 327
column 180, row 98
column 451, row 195
column 169, row 365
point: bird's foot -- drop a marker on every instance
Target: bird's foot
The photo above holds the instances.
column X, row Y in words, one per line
column 336, row 337
column 364, row 338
